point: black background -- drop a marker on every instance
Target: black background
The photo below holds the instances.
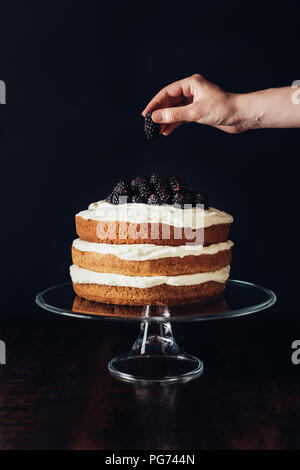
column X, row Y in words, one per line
column 78, row 74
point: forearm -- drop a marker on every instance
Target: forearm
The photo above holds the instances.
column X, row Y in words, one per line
column 272, row 108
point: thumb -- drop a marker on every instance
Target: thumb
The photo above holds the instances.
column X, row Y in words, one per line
column 177, row 114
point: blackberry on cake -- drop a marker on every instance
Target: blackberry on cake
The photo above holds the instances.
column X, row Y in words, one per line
column 144, row 188
column 163, row 194
column 113, row 198
column 176, row 184
column 179, row 199
column 189, row 197
column 156, row 180
column 109, row 198
column 123, row 188
column 202, row 198
column 134, row 184
column 137, row 182
column 153, row 200
column 136, row 199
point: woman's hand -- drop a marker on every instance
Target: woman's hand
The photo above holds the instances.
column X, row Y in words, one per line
column 194, row 99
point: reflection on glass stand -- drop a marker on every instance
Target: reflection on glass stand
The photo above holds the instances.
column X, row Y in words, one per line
column 155, row 356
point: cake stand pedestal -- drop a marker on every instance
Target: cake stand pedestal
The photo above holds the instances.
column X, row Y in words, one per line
column 155, row 356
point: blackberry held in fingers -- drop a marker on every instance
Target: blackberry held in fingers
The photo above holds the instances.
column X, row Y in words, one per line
column 151, row 128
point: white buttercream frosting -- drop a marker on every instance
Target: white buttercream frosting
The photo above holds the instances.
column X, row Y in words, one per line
column 85, row 276
column 194, row 217
column 143, row 251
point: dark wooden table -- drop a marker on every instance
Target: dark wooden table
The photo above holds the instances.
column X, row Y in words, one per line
column 56, row 393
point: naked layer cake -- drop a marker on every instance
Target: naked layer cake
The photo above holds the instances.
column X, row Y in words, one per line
column 151, row 242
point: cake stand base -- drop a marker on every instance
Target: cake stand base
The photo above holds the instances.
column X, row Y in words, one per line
column 155, row 358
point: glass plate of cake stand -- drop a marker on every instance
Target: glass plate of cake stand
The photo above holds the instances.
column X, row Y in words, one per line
column 155, row 356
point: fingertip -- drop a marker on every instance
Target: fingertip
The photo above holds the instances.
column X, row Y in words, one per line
column 162, row 128
column 157, row 116
column 166, row 130
column 169, row 128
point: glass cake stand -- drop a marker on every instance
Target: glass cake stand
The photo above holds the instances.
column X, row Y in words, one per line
column 155, row 356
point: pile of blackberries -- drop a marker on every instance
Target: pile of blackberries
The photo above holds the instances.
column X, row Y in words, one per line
column 157, row 190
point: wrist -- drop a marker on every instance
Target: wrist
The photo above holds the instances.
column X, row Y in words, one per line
column 248, row 111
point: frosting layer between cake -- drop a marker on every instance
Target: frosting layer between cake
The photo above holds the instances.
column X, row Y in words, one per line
column 85, row 276
column 143, row 252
